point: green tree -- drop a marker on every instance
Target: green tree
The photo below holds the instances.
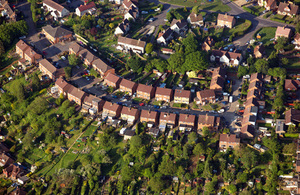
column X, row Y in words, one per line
column 196, row 61
column 134, row 63
column 242, row 71
column 169, row 16
column 195, row 9
column 18, row 90
column 160, row 64
column 232, row 189
column 2, row 49
column 262, row 66
column 199, row 149
column 38, row 105
column 111, row 25
column 149, row 48
column 284, row 61
column 167, row 167
column 190, row 44
column 156, row 183
column 175, row 62
column 35, row 82
column 210, row 187
column 135, row 144
column 74, row 60
column 289, row 148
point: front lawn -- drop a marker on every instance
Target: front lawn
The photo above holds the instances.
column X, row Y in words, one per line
column 213, row 5
column 241, row 27
column 255, row 10
column 266, row 34
column 281, row 18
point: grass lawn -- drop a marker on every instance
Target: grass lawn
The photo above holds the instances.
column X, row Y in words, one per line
column 291, row 135
column 281, row 18
column 148, row 79
column 179, row 105
column 255, row 10
column 215, row 5
column 293, row 63
column 266, row 34
column 169, row 80
column 241, row 27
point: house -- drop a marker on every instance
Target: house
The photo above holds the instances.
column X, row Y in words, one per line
column 167, row 120
column 288, row 9
column 259, row 51
column 17, row 191
column 128, row 4
column 208, row 44
column 128, row 86
column 62, row 86
column 22, row 180
column 163, row 94
column 112, row 80
column 77, row 95
column 5, row 160
column 164, row 37
column 87, row 57
column 291, row 85
column 279, row 128
column 89, row 8
column 283, row 32
column 145, row 91
column 179, row 26
column 206, row 96
column 292, row 117
column 13, row 171
column 111, row 110
column 75, row 48
column 182, row 96
column 48, row 69
column 167, row 51
column 91, row 101
column 132, row 14
column 7, row 12
column 56, row 10
column 225, row 20
column 130, row 114
column 296, row 41
column 218, row 79
column 57, row 34
column 212, row 122
column 226, row 57
column 122, row 28
column 102, row 67
column 128, row 134
column 27, row 53
column 228, row 141
column 247, row 131
column 186, row 122
column 149, row 117
column 154, row 131
column 195, row 20
column 267, row 4
column 127, row 44
column 3, row 148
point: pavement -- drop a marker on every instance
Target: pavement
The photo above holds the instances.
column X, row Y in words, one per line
column 25, row 8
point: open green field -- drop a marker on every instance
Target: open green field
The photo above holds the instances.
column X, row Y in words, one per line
column 215, row 5
column 266, row 34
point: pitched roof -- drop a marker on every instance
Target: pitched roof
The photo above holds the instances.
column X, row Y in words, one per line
column 292, row 115
column 87, row 6
column 76, row 92
column 283, row 31
column 128, row 3
column 291, row 84
column 89, row 99
column 288, row 8
column 129, row 111
column 54, row 5
column 167, row 116
column 207, row 93
column 130, row 41
column 229, row 138
column 182, row 93
column 31, row 53
column 297, row 37
column 101, row 65
column 163, row 91
column 57, row 31
column 165, row 34
column 61, row 83
column 255, row 76
column 123, row 25
column 187, row 118
column 260, row 49
column 133, row 11
column 22, row 45
column 144, row 88
column 209, row 41
column 46, row 64
column 127, row 83
column 217, row 81
column 195, row 18
column 248, row 129
column 148, row 114
column 111, row 106
column 219, row 72
column 225, row 17
column 206, row 120
column 112, row 78
column 179, row 23
column 76, row 47
column 270, row 2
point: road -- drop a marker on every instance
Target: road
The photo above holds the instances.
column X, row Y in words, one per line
column 257, row 22
column 25, row 8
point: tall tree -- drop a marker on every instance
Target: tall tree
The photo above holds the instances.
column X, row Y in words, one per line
column 190, row 44
column 196, row 61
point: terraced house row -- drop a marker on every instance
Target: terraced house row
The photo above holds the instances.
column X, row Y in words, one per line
column 148, row 92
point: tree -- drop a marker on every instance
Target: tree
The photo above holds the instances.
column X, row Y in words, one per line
column 167, row 167
column 195, row 9
column 111, row 25
column 38, row 105
column 18, row 90
column 2, row 49
column 175, row 62
column 135, row 144
column 169, row 16
column 262, row 66
column 232, row 189
column 101, row 22
column 289, row 148
column 196, row 61
column 156, row 183
column 127, row 173
column 74, row 60
column 35, row 82
column 210, row 187
column 292, row 129
column 284, row 61
column 199, row 149
column 160, row 64
column 192, row 138
column 190, row 44
column 149, row 48
column 134, row 63
column 207, row 172
column 242, row 71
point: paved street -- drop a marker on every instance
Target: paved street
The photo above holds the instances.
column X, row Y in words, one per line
column 25, row 8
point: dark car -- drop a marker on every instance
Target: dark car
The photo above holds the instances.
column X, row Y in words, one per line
column 155, row 106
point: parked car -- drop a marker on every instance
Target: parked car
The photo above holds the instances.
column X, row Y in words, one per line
column 141, row 104
column 155, row 106
column 114, row 96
